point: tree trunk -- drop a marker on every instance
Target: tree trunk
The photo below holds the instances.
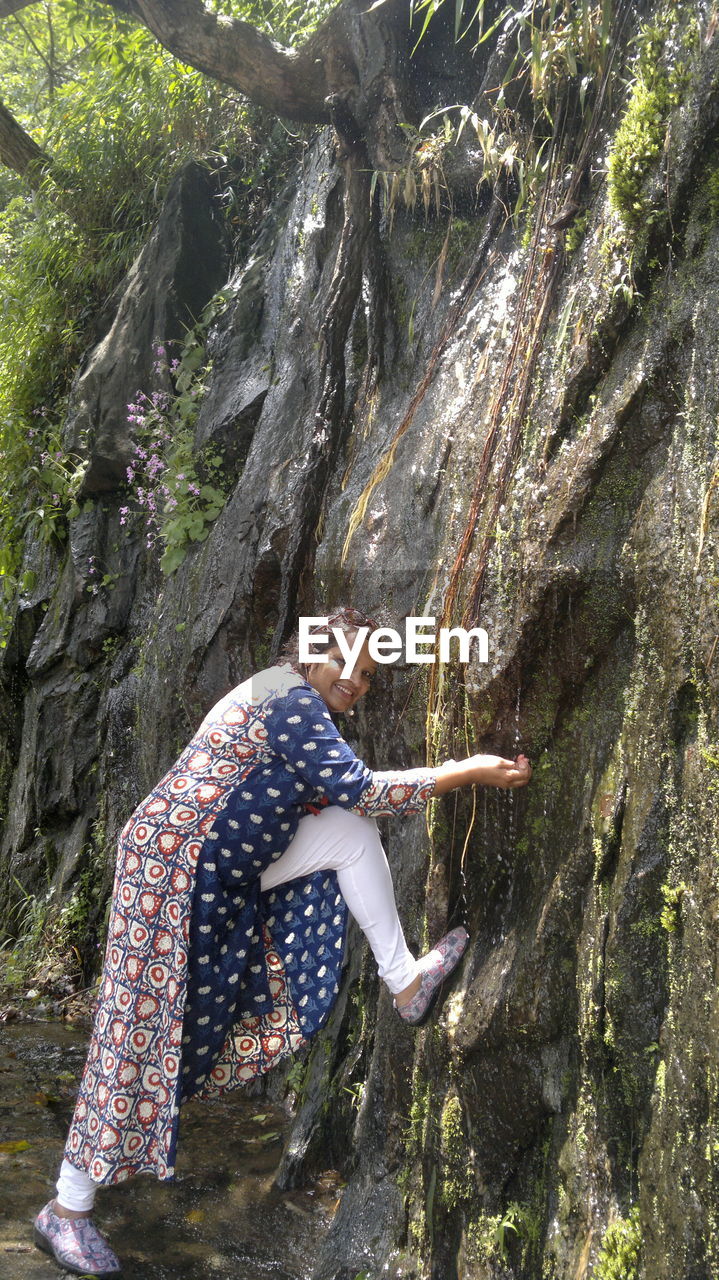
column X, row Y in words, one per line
column 19, row 151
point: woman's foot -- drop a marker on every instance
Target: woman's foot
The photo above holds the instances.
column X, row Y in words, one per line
column 76, row 1244
column 435, row 967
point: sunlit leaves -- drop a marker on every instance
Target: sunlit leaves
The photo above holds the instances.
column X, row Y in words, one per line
column 289, row 23
column 119, row 115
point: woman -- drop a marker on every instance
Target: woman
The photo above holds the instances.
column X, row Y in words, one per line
column 228, row 918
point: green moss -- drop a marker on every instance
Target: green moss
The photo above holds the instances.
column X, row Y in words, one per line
column 482, row 1239
column 457, row 1181
column 620, row 1252
column 660, row 1081
column 660, row 85
column 488, row 1236
column 671, row 911
column 576, row 231
column 712, row 194
column 419, row 1116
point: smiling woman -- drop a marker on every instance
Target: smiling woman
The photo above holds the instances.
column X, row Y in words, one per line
column 343, row 669
column 228, row 922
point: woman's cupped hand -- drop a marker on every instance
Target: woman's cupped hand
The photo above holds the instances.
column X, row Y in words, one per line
column 489, row 771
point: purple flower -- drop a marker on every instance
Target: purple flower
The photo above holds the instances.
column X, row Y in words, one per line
column 155, row 465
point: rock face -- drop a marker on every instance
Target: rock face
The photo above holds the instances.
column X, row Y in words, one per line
column 542, row 432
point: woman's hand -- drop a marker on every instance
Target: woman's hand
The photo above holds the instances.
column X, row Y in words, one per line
column 495, row 771
column 491, row 771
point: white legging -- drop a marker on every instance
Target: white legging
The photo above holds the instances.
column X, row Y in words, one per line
column 332, row 840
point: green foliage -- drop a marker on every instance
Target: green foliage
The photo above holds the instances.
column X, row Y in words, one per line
column 46, row 936
column 180, row 492
column 621, row 1247
column 289, row 23
column 118, row 115
column 712, row 190
column 661, row 77
column 26, row 928
column 296, row 1078
column 489, row 1235
column 556, row 46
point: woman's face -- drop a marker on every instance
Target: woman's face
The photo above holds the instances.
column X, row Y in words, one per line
column 339, row 691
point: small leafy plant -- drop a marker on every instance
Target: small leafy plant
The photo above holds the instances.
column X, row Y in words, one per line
column 179, row 492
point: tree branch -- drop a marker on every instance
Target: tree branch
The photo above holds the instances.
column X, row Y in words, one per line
column 20, row 152
column 290, row 82
column 239, row 55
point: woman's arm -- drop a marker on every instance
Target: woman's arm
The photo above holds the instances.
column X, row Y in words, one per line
column 301, row 731
column 491, row 771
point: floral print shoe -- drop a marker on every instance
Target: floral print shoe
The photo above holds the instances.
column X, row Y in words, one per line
column 76, row 1244
column 434, row 968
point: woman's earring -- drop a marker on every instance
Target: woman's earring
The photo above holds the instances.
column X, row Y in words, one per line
column 349, row 711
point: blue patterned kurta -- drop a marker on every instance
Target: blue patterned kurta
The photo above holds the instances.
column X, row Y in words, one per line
column 208, row 982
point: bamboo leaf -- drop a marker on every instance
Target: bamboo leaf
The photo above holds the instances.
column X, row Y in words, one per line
column 458, row 11
column 490, row 30
column 428, row 19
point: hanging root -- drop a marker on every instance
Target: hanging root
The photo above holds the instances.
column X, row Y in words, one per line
column 467, row 290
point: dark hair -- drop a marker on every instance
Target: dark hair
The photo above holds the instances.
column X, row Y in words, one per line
column 341, row 619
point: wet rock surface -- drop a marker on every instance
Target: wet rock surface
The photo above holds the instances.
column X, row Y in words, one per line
column 223, row 1218
column 571, row 1076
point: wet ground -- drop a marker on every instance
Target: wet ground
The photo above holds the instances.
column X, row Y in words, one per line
column 222, row 1219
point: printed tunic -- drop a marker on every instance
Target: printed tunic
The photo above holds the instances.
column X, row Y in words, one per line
column 208, row 981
